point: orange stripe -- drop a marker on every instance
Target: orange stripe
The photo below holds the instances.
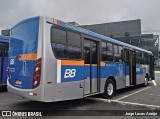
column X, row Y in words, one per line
column 77, row 63
column 25, row 57
column 72, row 62
column 102, row 63
column 143, row 65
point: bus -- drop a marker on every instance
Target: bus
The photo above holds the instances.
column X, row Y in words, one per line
column 4, row 46
column 51, row 60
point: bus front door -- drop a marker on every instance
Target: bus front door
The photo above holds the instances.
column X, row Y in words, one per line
column 130, row 70
column 151, row 67
column 91, row 67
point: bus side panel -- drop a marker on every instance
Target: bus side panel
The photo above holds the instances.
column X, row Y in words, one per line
column 69, row 90
column 5, row 65
column 72, row 81
column 117, row 70
column 140, row 73
column 121, row 76
column 49, row 65
column 56, row 86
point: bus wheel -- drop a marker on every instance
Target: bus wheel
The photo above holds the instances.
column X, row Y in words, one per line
column 145, row 82
column 109, row 89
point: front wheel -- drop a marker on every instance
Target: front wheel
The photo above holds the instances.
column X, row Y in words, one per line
column 109, row 89
column 145, row 82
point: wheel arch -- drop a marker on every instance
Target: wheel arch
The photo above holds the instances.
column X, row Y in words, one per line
column 112, row 78
column 147, row 76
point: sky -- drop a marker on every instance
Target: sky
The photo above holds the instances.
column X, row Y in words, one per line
column 83, row 11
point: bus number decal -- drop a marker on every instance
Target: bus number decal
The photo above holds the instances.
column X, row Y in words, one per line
column 70, row 73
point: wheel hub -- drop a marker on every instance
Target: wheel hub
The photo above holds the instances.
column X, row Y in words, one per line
column 110, row 89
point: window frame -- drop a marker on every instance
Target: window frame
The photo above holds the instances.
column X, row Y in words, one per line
column 75, row 33
column 118, row 55
column 110, row 53
column 65, row 44
column 112, row 47
column 117, row 49
column 58, row 29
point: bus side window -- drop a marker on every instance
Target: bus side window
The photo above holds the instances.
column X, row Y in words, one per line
column 146, row 58
column 109, row 51
column 87, row 52
column 141, row 58
column 115, row 49
column 66, row 44
column 58, row 36
column 137, row 57
column 58, row 50
column 74, row 39
column 117, row 54
column 73, row 45
column 120, row 53
column 104, row 51
column 127, row 55
column 73, row 52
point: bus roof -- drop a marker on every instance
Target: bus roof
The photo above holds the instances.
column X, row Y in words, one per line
column 4, row 38
column 99, row 36
column 21, row 22
column 85, row 31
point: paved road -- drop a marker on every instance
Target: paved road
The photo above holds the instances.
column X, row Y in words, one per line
column 10, row 101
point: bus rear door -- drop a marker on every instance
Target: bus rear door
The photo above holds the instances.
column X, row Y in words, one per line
column 91, row 61
column 151, row 67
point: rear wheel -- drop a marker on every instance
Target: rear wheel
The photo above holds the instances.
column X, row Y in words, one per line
column 109, row 89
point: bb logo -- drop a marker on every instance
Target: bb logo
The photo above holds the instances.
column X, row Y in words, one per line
column 70, row 73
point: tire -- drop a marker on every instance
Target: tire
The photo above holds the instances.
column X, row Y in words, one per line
column 109, row 90
column 145, row 82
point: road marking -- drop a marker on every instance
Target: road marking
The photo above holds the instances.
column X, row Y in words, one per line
column 126, row 103
column 132, row 94
column 151, row 94
column 154, row 83
column 136, row 104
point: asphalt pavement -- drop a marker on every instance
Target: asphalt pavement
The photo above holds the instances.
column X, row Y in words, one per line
column 89, row 106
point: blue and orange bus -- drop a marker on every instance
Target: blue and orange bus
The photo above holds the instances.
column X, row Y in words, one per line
column 51, row 60
column 4, row 46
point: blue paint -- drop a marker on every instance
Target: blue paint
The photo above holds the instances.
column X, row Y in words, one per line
column 3, row 61
column 110, row 69
column 24, row 40
column 79, row 74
